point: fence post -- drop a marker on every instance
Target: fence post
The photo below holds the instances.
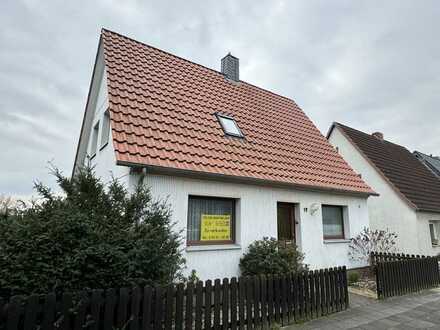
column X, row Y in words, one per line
column 289, row 298
column 234, row 303
column 264, row 311
column 317, row 293
column 95, row 307
column 158, row 308
column 269, row 282
column 198, row 307
column 225, row 304
column 295, row 281
column 49, row 312
column 277, row 296
column 169, row 307
column 179, row 306
column 241, row 301
column 13, row 313
column 257, row 300
column 217, row 296
column 30, row 317
column 345, row 285
column 147, row 307
column 284, row 309
column 208, row 298
column 135, row 308
column 249, row 300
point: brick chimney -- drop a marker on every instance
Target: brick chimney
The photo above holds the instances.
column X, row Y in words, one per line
column 230, row 67
column 378, row 135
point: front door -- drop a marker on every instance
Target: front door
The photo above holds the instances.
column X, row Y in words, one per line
column 286, row 223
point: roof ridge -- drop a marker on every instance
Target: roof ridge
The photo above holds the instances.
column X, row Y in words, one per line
column 198, row 64
column 371, row 136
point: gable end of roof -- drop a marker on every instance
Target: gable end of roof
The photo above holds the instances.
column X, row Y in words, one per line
column 408, row 177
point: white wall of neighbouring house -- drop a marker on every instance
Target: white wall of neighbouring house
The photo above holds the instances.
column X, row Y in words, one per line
column 388, row 210
column 424, row 235
column 256, row 214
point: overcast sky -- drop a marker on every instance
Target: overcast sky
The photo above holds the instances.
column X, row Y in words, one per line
column 369, row 64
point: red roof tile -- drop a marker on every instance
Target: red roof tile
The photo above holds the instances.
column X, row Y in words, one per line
column 162, row 111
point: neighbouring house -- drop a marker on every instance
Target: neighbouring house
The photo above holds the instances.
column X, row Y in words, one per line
column 235, row 162
column 409, row 193
column 430, row 161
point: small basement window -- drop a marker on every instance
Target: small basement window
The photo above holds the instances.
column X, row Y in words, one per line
column 229, row 126
column 94, row 144
column 211, row 220
column 105, row 133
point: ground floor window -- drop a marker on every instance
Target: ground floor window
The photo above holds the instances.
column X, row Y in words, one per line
column 211, row 220
column 434, row 229
column 333, row 221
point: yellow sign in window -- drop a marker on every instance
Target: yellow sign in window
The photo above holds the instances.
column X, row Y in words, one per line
column 215, row 227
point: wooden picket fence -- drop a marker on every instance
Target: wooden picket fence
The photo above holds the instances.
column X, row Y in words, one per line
column 406, row 275
column 244, row 303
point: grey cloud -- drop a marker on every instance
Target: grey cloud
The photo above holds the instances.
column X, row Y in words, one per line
column 371, row 64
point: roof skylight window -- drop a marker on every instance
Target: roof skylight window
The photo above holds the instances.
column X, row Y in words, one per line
column 229, row 126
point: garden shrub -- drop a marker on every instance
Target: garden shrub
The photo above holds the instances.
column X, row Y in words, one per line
column 353, row 277
column 368, row 241
column 91, row 236
column 268, row 256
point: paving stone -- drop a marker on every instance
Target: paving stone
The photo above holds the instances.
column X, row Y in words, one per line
column 421, row 324
column 419, row 311
column 401, row 318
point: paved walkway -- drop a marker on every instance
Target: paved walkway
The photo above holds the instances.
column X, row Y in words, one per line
column 418, row 311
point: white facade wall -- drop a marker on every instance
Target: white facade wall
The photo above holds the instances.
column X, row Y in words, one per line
column 256, row 216
column 104, row 161
column 389, row 210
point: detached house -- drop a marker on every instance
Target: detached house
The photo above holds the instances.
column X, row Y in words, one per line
column 409, row 193
column 236, row 162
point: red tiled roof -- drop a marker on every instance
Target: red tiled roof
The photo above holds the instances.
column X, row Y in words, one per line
column 162, row 111
column 400, row 167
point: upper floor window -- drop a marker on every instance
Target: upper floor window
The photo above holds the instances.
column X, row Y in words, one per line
column 105, row 131
column 94, row 142
column 229, row 126
column 333, row 222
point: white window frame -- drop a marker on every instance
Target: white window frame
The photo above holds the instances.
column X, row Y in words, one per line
column 94, row 141
column 221, row 119
column 105, row 130
column 434, row 233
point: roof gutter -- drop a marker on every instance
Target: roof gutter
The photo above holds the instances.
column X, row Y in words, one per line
column 241, row 179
